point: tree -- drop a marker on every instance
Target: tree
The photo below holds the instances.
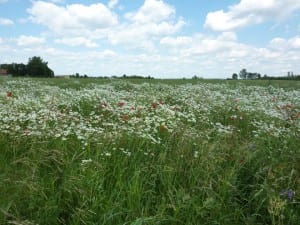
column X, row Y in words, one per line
column 243, row 74
column 15, row 69
column 234, row 76
column 258, row 76
column 36, row 67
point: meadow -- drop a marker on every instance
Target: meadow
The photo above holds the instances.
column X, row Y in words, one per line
column 141, row 152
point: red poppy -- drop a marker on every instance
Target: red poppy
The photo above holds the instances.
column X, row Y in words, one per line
column 8, row 94
column 121, row 104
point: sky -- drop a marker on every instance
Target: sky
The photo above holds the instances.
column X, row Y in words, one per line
column 158, row 38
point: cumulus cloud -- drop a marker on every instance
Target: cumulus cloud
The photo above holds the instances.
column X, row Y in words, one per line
column 112, row 3
column 77, row 41
column 249, row 12
column 29, row 41
column 176, row 42
column 282, row 44
column 152, row 11
column 72, row 19
column 88, row 25
column 207, row 52
column 295, row 42
column 6, row 22
column 199, row 44
column 152, row 20
column 57, row 1
column 183, row 56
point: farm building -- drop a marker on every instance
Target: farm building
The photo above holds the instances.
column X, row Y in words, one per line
column 3, row 72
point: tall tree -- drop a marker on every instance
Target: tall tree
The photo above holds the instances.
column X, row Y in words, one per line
column 36, row 67
column 243, row 74
column 234, row 76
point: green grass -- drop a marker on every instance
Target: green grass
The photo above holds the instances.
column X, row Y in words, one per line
column 230, row 179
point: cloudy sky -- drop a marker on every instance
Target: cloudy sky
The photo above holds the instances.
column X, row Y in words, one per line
column 161, row 38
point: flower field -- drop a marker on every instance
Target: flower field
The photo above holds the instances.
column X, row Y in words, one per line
column 121, row 152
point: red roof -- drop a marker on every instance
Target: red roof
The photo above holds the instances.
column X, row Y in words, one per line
column 3, row 72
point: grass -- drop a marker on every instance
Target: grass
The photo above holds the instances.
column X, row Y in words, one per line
column 197, row 173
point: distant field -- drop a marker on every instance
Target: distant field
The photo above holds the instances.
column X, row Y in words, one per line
column 82, row 82
column 133, row 152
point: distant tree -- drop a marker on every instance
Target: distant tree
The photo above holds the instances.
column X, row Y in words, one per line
column 15, row 69
column 20, row 70
column 36, row 67
column 234, row 76
column 243, row 74
column 258, row 76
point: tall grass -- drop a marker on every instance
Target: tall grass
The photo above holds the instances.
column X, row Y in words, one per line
column 186, row 178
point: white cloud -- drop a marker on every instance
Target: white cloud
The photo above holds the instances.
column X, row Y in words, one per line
column 152, row 11
column 29, row 41
column 75, row 19
column 112, row 3
column 77, row 41
column 224, row 54
column 57, row 1
column 249, row 12
column 295, row 42
column 175, row 42
column 228, row 36
column 89, row 25
column 152, row 20
column 200, row 44
column 183, row 56
column 285, row 45
column 6, row 22
column 278, row 43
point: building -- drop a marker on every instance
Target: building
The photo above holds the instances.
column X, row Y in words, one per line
column 3, row 72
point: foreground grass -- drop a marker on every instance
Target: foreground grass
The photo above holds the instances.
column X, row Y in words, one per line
column 229, row 182
column 231, row 178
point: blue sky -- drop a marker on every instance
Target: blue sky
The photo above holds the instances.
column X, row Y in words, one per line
column 161, row 38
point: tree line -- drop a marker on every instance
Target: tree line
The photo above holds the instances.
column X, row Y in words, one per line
column 36, row 67
column 245, row 75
